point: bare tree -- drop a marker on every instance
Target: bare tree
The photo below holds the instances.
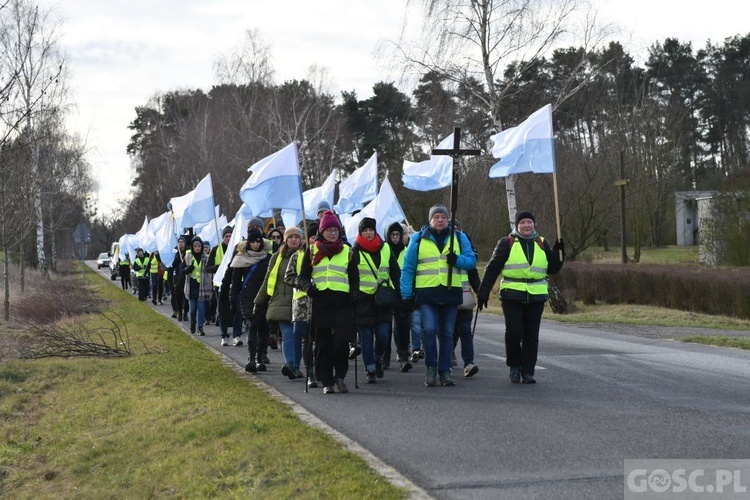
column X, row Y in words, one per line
column 249, row 62
column 29, row 50
column 465, row 40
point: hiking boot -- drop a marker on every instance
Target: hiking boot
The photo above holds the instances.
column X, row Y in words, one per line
column 261, row 367
column 250, row 367
column 354, row 351
column 328, row 390
column 371, row 379
column 298, row 373
column 201, row 332
column 288, row 371
column 379, row 369
column 430, row 376
column 340, row 385
column 446, row 379
column 224, row 341
column 470, row 370
column 528, row 378
column 406, row 366
column 237, row 341
column 515, row 374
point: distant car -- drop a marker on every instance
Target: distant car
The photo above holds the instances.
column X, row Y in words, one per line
column 102, row 260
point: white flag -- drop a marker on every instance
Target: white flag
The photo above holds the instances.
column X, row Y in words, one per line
column 274, row 183
column 428, row 175
column 359, row 188
column 196, row 206
column 529, row 147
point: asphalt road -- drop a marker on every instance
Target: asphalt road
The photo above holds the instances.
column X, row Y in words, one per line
column 601, row 398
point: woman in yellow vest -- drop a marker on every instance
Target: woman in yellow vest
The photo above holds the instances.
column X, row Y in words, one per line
column 401, row 327
column 376, row 264
column 140, row 267
column 524, row 259
column 302, row 305
column 331, row 280
column 222, row 292
column 425, row 284
column 192, row 267
column 275, row 299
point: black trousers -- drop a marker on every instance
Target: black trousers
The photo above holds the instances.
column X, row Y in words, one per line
column 143, row 283
column 522, row 321
column 331, row 354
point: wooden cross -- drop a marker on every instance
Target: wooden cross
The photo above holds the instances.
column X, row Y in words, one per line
column 456, row 153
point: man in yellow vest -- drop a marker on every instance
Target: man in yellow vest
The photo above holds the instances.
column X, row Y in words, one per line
column 140, row 266
column 222, row 293
column 524, row 259
column 426, row 285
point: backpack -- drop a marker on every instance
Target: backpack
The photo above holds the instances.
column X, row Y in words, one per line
column 538, row 240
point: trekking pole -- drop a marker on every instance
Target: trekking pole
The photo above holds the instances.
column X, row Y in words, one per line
column 476, row 315
column 356, row 358
column 309, row 360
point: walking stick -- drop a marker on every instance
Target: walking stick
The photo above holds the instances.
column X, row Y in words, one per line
column 356, row 358
column 474, row 327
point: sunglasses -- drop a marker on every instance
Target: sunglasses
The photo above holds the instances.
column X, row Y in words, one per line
column 276, row 237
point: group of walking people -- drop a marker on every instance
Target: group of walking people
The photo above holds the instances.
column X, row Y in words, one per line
column 327, row 298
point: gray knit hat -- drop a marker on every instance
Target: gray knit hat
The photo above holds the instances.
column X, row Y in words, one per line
column 438, row 209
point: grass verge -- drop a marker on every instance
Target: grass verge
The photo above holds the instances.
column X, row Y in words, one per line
column 721, row 340
column 171, row 420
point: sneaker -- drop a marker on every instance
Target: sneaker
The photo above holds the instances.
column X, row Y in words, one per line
column 340, row 385
column 470, row 370
column 354, row 351
column 288, row 371
column 371, row 379
column 224, row 341
column 430, row 376
column 421, row 354
column 515, row 375
column 379, row 369
column 261, row 367
column 446, row 379
column 201, row 332
column 153, row 302
column 251, row 367
column 406, row 366
column 528, row 378
column 415, row 356
column 328, row 390
column 237, row 341
column 174, row 315
column 312, row 383
column 161, row 303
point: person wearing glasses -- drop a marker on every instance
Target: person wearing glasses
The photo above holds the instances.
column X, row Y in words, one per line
column 277, row 238
column 331, row 280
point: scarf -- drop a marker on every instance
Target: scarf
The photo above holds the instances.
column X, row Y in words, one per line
column 370, row 246
column 327, row 249
column 248, row 258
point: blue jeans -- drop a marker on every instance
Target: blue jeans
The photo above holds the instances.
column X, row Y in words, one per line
column 290, row 345
column 371, row 353
column 199, row 307
column 300, row 330
column 438, row 322
column 463, row 333
column 416, row 330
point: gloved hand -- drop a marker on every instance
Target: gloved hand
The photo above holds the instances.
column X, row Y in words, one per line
column 559, row 246
column 189, row 269
column 311, row 291
column 482, row 302
column 410, row 304
column 451, row 258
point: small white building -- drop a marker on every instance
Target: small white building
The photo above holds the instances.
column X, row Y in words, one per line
column 688, row 215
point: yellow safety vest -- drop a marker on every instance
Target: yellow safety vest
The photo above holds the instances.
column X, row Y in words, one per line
column 331, row 273
column 196, row 274
column 432, row 265
column 367, row 282
column 154, row 265
column 299, row 294
column 141, row 263
column 521, row 276
column 271, row 285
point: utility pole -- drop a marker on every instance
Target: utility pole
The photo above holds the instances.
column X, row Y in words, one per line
column 622, row 182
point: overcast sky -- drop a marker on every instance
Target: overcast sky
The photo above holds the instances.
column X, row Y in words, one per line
column 122, row 52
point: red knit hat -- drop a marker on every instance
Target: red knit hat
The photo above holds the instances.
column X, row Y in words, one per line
column 328, row 219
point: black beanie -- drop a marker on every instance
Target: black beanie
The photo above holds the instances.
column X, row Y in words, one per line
column 367, row 223
column 254, row 235
column 524, row 215
column 396, row 227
